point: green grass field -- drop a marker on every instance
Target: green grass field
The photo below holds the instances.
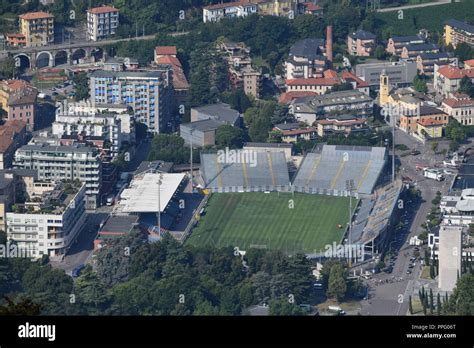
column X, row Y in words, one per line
column 247, row 220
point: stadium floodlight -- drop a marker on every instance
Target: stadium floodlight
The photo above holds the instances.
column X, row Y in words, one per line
column 160, row 181
column 350, row 188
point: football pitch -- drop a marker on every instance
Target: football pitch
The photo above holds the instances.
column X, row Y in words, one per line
column 300, row 223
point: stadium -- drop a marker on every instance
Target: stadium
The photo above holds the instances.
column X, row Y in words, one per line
column 258, row 205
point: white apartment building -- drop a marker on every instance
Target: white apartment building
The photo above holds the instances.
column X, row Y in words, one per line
column 102, row 22
column 50, row 225
column 55, row 163
column 241, row 8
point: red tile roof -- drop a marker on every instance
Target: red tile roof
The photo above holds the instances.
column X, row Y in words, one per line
column 309, row 6
column 36, row 15
column 347, row 75
column 469, row 63
column 452, row 72
column 330, row 74
column 313, row 82
column 13, row 85
column 102, row 9
column 8, row 131
column 429, row 122
column 298, row 131
column 179, row 79
column 458, row 103
column 288, row 97
column 166, row 50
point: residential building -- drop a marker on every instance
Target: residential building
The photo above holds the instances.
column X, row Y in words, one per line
column 297, row 134
column 56, row 162
column 14, row 187
column 456, row 32
column 414, row 50
column 319, row 85
column 121, row 64
column 306, row 59
column 341, row 124
column 102, row 22
column 37, row 28
column 167, row 55
column 240, row 8
column 311, row 8
column 284, row 8
column 460, row 107
column 12, row 136
column 429, row 128
column 147, row 92
column 252, row 82
column 219, row 112
column 49, row 224
column 361, row 43
column 447, row 79
column 409, row 120
column 425, row 62
column 308, row 109
column 395, row 44
column 18, row 100
column 449, row 256
column 400, row 73
column 15, row 39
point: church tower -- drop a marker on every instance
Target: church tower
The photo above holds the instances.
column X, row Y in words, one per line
column 384, row 88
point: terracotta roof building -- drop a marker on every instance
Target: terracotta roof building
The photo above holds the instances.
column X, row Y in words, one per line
column 12, row 136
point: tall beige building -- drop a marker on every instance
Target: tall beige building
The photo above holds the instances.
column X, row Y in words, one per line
column 38, row 28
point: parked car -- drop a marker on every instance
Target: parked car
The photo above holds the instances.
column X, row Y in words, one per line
column 77, row 271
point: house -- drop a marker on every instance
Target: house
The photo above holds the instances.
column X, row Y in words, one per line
column 460, row 107
column 292, row 133
column 241, row 8
column 341, row 124
column 319, row 85
column 395, row 44
column 18, row 100
column 447, row 79
column 12, row 136
column 430, row 128
column 425, row 62
column 167, row 55
column 456, row 32
column 311, row 8
column 409, row 120
column 414, row 50
column 361, row 43
column 15, row 39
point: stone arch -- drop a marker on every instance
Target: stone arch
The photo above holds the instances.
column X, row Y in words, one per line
column 61, row 57
column 22, row 61
column 44, row 59
column 78, row 54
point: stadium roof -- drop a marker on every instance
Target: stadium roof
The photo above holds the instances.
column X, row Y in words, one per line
column 142, row 195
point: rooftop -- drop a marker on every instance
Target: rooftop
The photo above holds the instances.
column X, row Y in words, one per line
column 166, row 50
column 430, row 122
column 203, row 125
column 452, row 72
column 461, row 25
column 36, row 15
column 118, row 225
column 319, row 81
column 219, row 111
column 8, row 131
column 102, row 9
column 308, row 48
column 363, row 35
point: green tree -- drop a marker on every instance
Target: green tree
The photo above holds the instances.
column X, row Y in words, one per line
column 466, row 86
column 420, row 84
column 81, row 82
column 229, row 136
column 337, row 286
column 282, row 307
column 8, row 68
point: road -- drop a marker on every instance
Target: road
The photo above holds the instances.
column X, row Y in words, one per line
column 390, row 297
column 407, row 7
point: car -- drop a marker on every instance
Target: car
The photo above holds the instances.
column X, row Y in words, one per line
column 76, row 271
column 409, row 271
column 415, row 152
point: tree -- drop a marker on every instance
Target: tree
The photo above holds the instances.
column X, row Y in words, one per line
column 275, row 136
column 431, row 301
column 466, row 86
column 438, row 304
column 420, row 84
column 229, row 136
column 282, row 307
column 8, row 68
column 337, row 286
column 462, row 300
column 464, row 52
column 82, row 86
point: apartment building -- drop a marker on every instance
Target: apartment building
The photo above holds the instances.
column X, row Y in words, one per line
column 361, row 43
column 306, row 59
column 286, row 8
column 341, row 124
column 396, row 44
column 14, row 39
column 414, row 50
column 37, row 28
column 102, row 22
column 456, row 32
column 167, row 55
column 241, row 8
column 147, row 92
column 425, row 62
column 18, row 100
column 447, row 79
column 49, row 224
column 317, row 85
column 56, row 162
column 460, row 107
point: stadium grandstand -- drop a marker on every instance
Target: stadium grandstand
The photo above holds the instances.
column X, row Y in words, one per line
column 267, row 171
column 374, row 216
column 327, row 170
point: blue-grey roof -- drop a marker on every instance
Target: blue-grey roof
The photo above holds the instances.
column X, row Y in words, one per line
column 407, row 38
column 422, row 47
column 461, row 25
column 220, row 112
column 309, row 48
column 440, row 55
column 363, row 35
